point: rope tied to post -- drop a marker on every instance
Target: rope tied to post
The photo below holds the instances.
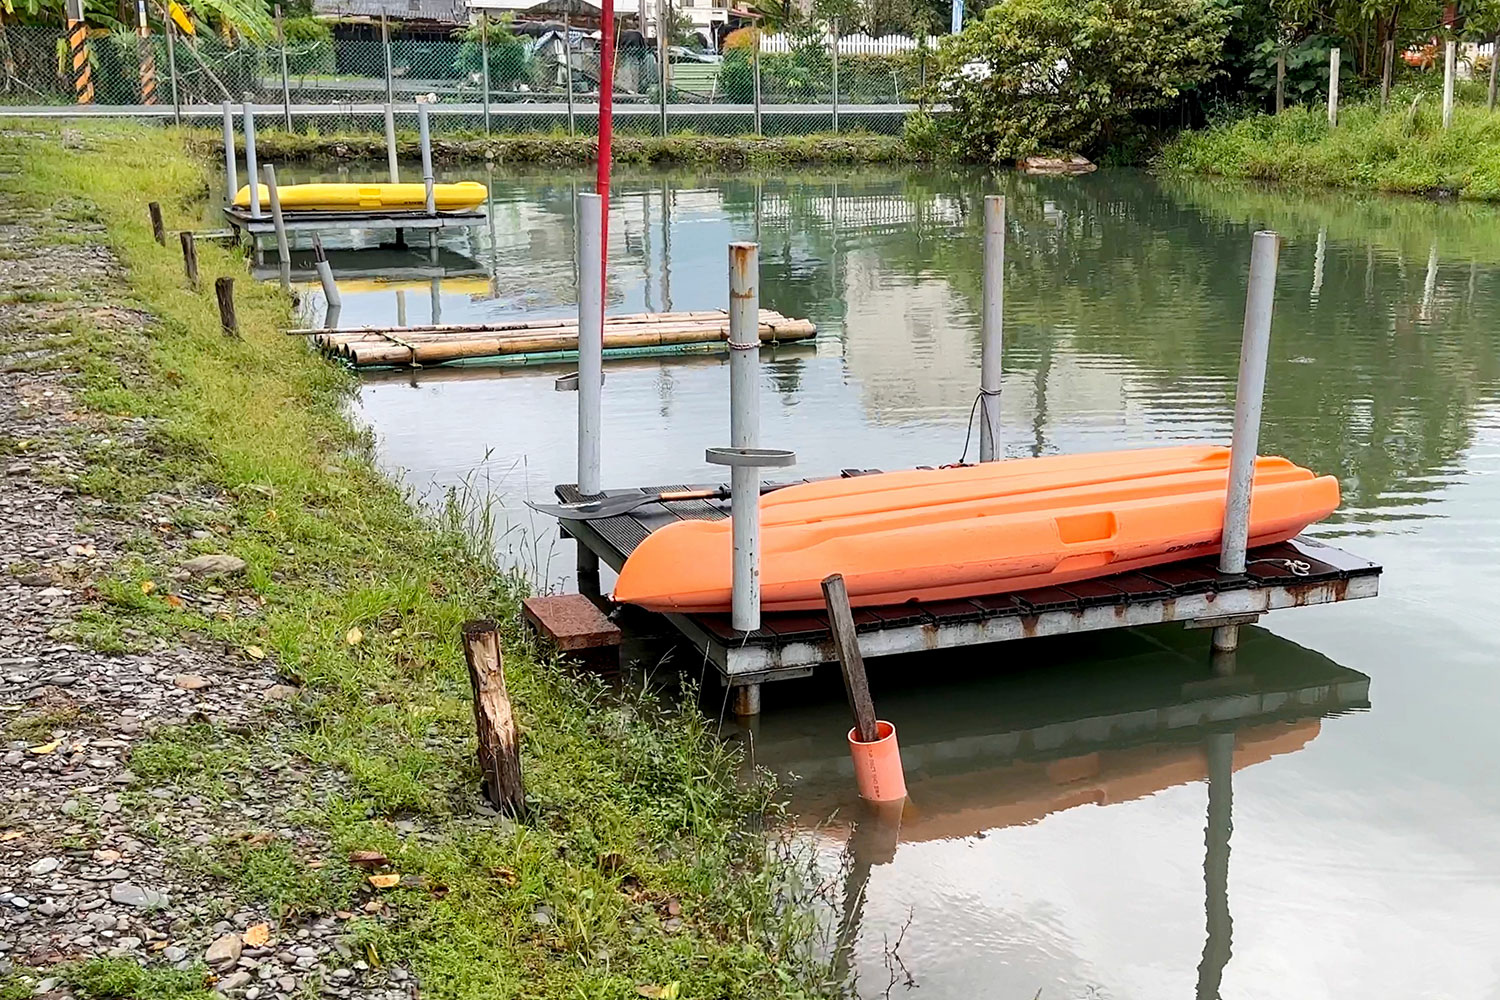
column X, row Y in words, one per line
column 1296, row 567
column 969, row 424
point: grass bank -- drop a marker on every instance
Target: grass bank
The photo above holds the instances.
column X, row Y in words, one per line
column 642, row 863
column 1403, row 148
column 559, row 149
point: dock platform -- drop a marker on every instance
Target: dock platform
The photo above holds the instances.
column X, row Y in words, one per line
column 240, row 218
column 790, row 644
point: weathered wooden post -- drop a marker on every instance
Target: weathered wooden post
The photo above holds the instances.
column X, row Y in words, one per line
column 1494, row 62
column 286, row 81
column 499, row 741
column 283, row 247
column 224, row 293
column 189, row 256
column 993, row 325
column 147, row 57
column 1333, row 87
column 1250, row 391
column 158, row 229
column 872, row 744
column 1450, row 71
column 231, row 161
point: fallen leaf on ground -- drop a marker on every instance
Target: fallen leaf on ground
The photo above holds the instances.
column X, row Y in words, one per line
column 45, row 747
column 504, row 875
column 255, row 652
column 173, row 601
column 368, row 859
column 260, row 839
column 257, row 935
column 385, row 881
column 10, row 835
column 147, row 586
column 354, row 637
column 667, row 992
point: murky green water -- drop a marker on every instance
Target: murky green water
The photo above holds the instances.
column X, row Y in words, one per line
column 1091, row 817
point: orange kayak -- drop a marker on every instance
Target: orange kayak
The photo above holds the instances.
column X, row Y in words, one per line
column 934, row 534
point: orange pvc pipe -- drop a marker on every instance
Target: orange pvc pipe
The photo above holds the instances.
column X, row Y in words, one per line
column 877, row 766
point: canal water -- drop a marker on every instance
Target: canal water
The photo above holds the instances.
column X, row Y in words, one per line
column 1094, row 817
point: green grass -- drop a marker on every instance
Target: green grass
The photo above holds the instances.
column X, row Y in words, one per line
column 560, row 149
column 635, row 804
column 1395, row 150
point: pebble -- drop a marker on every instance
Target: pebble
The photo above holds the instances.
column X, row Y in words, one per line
column 233, row 982
column 133, row 895
column 224, row 952
column 44, row 866
column 174, row 953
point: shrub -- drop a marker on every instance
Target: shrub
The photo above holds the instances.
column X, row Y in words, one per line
column 1037, row 76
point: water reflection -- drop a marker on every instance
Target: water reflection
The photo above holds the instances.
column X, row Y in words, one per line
column 1124, row 717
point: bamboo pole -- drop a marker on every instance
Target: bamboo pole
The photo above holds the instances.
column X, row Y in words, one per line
column 766, row 316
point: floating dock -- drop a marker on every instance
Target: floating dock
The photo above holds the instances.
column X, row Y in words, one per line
column 366, row 347
column 790, row 644
column 315, row 221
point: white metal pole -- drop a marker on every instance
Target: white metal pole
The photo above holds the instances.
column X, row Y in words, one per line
column 568, row 66
column 325, row 275
column 252, row 174
column 231, row 161
column 756, row 81
column 744, row 432
column 1255, row 344
column 424, row 129
column 390, row 143
column 993, row 326
column 1333, row 87
column 484, row 57
column 1450, row 70
column 390, row 76
column 286, row 83
column 283, row 250
column 835, row 75
column 590, row 339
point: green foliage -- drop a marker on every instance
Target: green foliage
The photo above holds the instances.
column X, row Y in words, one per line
column 123, row 979
column 1306, row 70
column 509, row 55
column 1390, row 150
column 1060, row 75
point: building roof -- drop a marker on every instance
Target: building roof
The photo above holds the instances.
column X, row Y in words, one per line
column 441, row 11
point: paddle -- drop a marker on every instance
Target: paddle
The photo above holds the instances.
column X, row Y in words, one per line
column 589, row 510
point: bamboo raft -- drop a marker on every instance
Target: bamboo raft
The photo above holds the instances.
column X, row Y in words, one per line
column 370, row 346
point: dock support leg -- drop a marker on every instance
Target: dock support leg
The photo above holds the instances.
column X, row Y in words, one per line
column 401, row 238
column 746, row 700
column 1224, row 642
column 588, row 572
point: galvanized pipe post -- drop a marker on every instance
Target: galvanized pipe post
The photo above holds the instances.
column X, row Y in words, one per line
column 390, row 75
column 1450, row 71
column 993, row 325
column 390, row 143
column 1250, row 391
column 1333, row 87
column 484, row 57
column 757, row 81
column 744, row 432
column 590, row 339
column 286, row 83
column 568, row 67
column 835, row 74
column 283, row 248
column 231, row 161
column 171, row 31
column 424, row 131
column 325, row 275
column 252, row 173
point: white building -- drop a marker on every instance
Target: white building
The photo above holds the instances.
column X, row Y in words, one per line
column 707, row 16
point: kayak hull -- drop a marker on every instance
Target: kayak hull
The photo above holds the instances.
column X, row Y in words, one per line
column 941, row 534
column 463, row 196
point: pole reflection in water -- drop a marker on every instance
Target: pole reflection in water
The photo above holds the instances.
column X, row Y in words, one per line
column 1107, row 721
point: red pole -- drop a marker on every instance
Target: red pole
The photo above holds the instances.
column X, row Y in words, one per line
column 606, row 123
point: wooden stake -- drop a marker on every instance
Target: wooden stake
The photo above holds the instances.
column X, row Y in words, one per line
column 157, row 228
column 224, row 292
column 499, row 742
column 189, row 257
column 856, row 684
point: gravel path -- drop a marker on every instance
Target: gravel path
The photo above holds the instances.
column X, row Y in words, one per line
column 94, row 859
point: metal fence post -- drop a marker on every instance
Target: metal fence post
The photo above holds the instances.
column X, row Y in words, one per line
column 1333, row 87
column 590, row 339
column 835, row 74
column 390, row 144
column 385, row 39
column 756, row 57
column 568, row 67
column 171, row 30
column 286, row 83
column 484, row 57
column 1249, row 397
column 231, row 182
column 424, row 131
column 251, row 173
column 993, row 327
column 662, row 13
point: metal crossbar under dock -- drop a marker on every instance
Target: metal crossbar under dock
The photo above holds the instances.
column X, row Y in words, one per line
column 790, row 644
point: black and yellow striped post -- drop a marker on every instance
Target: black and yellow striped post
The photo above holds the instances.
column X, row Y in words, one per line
column 148, row 56
column 78, row 54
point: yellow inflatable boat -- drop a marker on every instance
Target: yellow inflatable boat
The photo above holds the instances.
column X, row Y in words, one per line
column 465, row 196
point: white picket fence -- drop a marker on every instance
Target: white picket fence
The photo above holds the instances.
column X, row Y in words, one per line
column 849, row 45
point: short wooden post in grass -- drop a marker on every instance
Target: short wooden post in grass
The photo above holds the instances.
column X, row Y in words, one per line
column 1281, row 81
column 189, row 257
column 157, row 228
column 494, row 720
column 224, row 292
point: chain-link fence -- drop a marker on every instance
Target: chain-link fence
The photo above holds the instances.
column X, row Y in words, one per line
column 532, row 84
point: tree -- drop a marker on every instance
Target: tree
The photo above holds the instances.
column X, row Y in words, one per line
column 1060, row 75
